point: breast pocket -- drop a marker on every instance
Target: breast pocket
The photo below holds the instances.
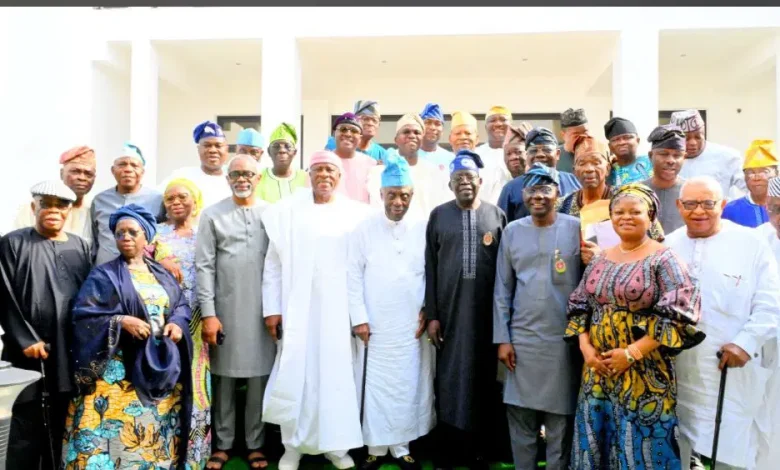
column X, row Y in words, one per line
column 727, row 291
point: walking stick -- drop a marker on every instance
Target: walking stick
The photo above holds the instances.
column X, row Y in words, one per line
column 45, row 409
column 719, row 412
column 363, row 386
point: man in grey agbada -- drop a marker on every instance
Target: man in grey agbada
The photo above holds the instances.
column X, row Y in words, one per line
column 538, row 267
column 229, row 260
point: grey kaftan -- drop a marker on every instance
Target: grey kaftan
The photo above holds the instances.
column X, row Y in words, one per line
column 529, row 311
column 229, row 260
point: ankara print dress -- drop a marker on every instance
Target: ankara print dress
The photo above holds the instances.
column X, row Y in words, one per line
column 628, row 421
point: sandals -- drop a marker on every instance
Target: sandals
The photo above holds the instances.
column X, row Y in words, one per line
column 253, row 462
column 215, row 459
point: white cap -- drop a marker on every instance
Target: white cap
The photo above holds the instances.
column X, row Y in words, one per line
column 54, row 188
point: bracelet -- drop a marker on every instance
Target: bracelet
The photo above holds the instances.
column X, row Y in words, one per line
column 634, row 350
column 629, row 357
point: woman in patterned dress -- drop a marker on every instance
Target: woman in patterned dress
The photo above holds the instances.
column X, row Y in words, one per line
column 130, row 341
column 174, row 248
column 633, row 312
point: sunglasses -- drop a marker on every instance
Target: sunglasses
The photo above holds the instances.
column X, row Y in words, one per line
column 236, row 174
column 122, row 234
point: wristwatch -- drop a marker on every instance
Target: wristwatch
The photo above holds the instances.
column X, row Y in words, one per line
column 629, row 357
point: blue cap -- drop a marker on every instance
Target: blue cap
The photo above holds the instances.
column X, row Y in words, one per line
column 466, row 160
column 539, row 173
column 251, row 138
column 207, row 129
column 396, row 172
column 432, row 111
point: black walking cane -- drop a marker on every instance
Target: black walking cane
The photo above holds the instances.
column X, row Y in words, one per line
column 719, row 412
column 363, row 386
column 45, row 408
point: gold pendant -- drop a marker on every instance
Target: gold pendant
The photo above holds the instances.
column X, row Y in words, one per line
column 560, row 265
column 487, row 239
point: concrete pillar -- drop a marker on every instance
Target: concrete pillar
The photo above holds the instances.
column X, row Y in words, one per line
column 635, row 80
column 144, row 78
column 316, row 128
column 280, row 99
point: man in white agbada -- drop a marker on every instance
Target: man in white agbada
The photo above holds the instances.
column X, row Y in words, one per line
column 386, row 276
column 209, row 175
column 706, row 158
column 311, row 391
column 740, row 304
column 430, row 183
column 769, row 449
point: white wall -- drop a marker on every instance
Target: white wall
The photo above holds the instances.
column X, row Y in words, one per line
column 110, row 119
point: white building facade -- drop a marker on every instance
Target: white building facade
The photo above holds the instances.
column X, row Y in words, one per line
column 73, row 76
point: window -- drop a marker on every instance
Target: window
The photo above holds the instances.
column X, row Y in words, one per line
column 233, row 125
column 386, row 135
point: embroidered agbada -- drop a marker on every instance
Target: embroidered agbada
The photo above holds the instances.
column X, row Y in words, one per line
column 229, row 257
column 768, row 450
column 460, row 267
column 737, row 274
column 745, row 212
column 386, row 285
column 311, row 391
column 628, row 422
column 120, row 399
column 722, row 163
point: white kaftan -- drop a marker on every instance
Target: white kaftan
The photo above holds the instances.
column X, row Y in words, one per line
column 739, row 282
column 387, row 288
column 493, row 159
column 769, row 449
column 311, row 391
column 430, row 188
column 722, row 163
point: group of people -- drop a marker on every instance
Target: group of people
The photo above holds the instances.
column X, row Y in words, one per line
column 575, row 293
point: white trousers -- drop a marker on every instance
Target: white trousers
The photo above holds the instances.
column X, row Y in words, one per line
column 397, row 451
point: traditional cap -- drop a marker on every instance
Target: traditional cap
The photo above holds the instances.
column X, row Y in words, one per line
column 138, row 213
column 326, row 156
column 347, row 118
column 774, row 187
column 207, row 129
column 284, row 131
column 573, row 118
column 55, row 188
column 539, row 173
column 80, row 154
column 517, row 133
column 466, row 160
column 540, row 136
column 689, row 120
column 409, row 119
column 432, row 111
column 619, row 126
column 251, row 138
column 462, row 118
column 396, row 172
column 131, row 150
column 367, row 108
column 499, row 110
column 586, row 144
column 760, row 154
column 667, row 136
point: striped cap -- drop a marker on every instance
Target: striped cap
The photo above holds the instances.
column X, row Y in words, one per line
column 54, row 188
column 774, row 187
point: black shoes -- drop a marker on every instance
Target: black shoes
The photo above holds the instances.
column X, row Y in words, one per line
column 408, row 463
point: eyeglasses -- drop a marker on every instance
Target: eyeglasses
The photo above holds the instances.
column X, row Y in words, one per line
column 763, row 173
column 122, row 234
column 464, row 177
column 408, row 132
column 348, row 130
column 236, row 174
column 707, row 204
column 277, row 146
column 544, row 190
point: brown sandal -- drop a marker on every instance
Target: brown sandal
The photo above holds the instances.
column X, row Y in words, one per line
column 256, row 460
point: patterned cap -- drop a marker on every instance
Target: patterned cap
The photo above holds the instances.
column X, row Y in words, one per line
column 54, row 188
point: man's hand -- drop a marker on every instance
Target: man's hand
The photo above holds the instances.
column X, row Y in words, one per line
column 173, row 267
column 37, row 351
column 138, row 328
column 272, row 326
column 173, row 331
column 588, row 251
column 420, row 326
column 733, row 356
column 434, row 333
column 362, row 331
column 506, row 354
column 211, row 326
